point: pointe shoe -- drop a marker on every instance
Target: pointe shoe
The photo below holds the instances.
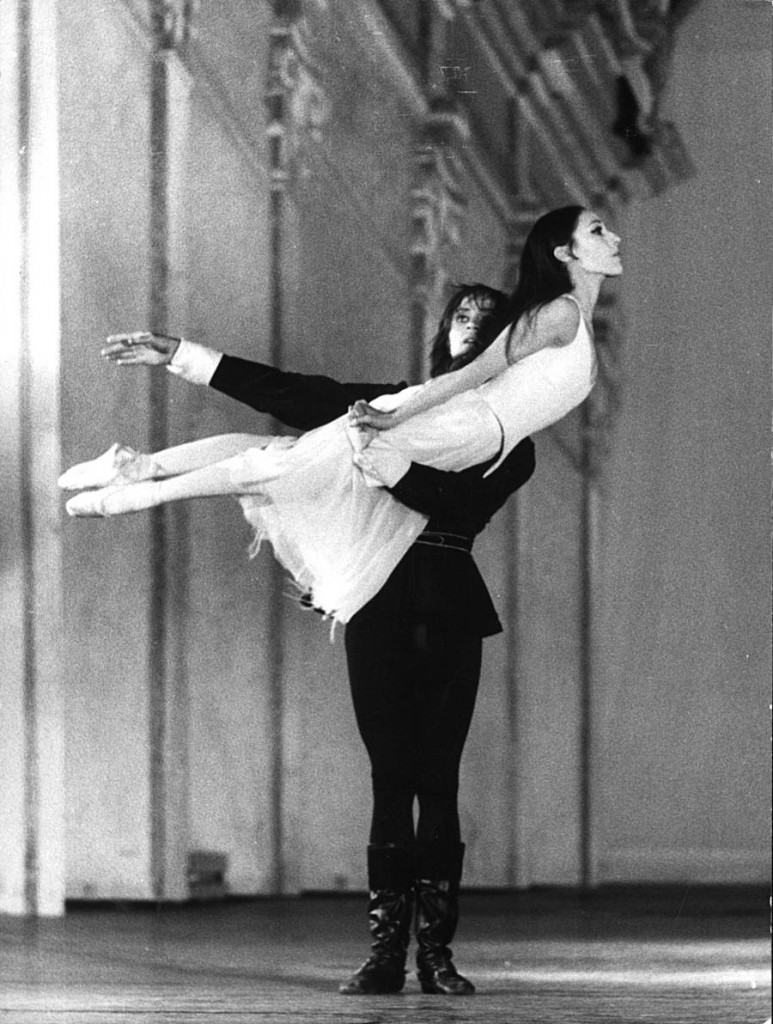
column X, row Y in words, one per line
column 91, row 504
column 119, row 464
column 118, row 500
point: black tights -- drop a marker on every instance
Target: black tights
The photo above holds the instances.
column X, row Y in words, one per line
column 414, row 690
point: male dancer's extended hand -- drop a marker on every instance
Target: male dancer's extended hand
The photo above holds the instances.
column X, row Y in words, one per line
column 141, row 348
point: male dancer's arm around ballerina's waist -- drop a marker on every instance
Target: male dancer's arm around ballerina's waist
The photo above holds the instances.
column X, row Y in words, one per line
column 466, row 500
column 553, row 325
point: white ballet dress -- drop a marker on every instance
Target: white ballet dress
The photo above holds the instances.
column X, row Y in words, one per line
column 339, row 536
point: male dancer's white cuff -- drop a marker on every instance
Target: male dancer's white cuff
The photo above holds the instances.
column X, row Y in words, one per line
column 194, row 363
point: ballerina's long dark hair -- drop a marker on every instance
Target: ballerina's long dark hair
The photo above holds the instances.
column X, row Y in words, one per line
column 440, row 360
column 542, row 277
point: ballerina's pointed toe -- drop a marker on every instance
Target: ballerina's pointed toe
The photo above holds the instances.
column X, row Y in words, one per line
column 117, row 464
column 90, row 504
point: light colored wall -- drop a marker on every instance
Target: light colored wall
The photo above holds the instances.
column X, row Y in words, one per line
column 31, row 598
column 679, row 699
column 105, row 286
column 548, row 671
column 682, row 721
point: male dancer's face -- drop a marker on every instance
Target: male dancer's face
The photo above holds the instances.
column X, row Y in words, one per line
column 466, row 324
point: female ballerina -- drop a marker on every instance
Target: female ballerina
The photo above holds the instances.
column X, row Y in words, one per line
column 321, row 499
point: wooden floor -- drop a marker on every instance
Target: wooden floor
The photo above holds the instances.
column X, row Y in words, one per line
column 670, row 956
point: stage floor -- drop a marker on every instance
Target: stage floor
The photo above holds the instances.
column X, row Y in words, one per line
column 614, row 956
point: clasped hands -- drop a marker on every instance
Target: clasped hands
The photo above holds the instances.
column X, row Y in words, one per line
column 364, row 423
column 364, row 415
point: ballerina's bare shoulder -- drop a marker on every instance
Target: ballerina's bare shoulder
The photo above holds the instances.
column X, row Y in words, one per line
column 554, row 325
column 552, row 368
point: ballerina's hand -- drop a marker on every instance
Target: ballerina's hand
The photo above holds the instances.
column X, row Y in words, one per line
column 363, row 415
column 359, row 435
column 141, row 348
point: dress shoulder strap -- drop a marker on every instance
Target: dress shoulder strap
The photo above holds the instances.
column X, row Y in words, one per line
column 576, row 301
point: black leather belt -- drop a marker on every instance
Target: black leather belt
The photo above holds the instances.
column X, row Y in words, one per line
column 453, row 541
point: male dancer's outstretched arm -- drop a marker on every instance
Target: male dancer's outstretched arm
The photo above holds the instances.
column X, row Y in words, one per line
column 464, row 501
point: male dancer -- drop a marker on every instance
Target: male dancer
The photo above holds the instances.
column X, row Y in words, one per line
column 413, row 652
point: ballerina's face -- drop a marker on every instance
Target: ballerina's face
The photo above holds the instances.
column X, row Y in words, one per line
column 594, row 247
column 466, row 323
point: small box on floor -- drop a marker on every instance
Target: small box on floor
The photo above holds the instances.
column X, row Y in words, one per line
column 207, row 871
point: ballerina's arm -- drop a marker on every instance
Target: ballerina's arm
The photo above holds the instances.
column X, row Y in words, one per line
column 554, row 324
column 438, row 390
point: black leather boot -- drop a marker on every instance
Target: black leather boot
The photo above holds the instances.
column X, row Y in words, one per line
column 437, row 915
column 390, row 909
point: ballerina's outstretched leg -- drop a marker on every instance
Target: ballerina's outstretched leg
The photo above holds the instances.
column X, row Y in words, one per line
column 119, row 464
column 123, row 465
column 242, row 473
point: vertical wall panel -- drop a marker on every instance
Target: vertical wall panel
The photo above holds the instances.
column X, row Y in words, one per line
column 170, row 540
column 229, row 635
column 12, row 568
column 547, row 753
column 682, row 717
column 31, row 862
column 105, row 288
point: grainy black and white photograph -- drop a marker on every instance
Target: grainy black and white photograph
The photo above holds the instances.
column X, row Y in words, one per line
column 385, row 569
